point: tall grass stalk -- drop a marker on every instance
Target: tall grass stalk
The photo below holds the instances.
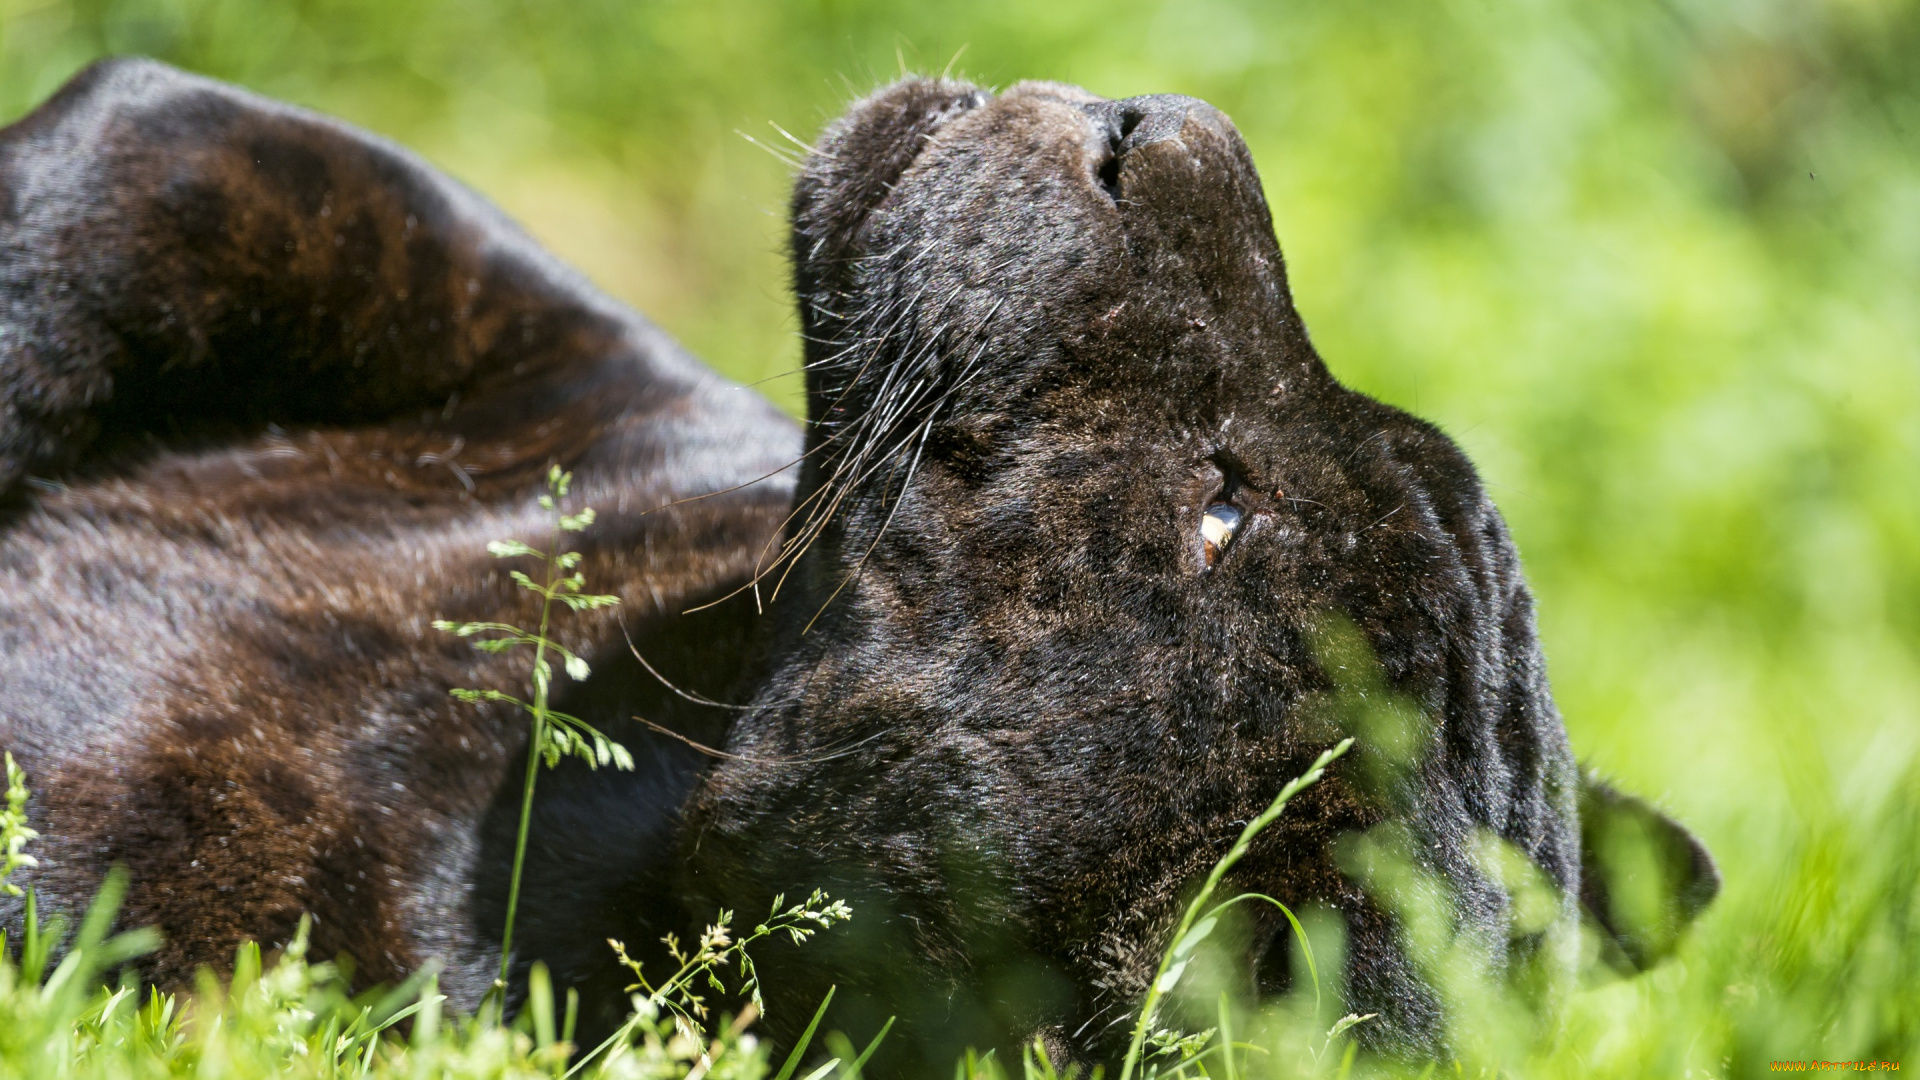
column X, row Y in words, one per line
column 554, row 734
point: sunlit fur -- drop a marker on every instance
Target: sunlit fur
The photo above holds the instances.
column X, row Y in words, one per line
column 1011, row 710
column 268, row 385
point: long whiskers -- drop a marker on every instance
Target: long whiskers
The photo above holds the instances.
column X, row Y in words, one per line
column 905, row 398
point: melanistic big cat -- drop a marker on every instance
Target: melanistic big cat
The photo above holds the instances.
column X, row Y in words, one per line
column 1075, row 507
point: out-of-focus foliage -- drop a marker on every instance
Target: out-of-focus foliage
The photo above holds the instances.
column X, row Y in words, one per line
column 1655, row 263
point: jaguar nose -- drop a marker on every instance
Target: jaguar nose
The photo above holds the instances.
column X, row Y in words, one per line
column 1149, row 118
column 1135, row 123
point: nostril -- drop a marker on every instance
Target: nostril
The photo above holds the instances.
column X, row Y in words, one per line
column 1119, row 119
column 1109, row 173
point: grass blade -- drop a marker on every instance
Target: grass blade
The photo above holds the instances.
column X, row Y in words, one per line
column 806, row 1037
column 853, row 1070
column 1161, row 983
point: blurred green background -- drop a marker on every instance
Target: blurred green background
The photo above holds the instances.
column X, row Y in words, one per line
column 1655, row 263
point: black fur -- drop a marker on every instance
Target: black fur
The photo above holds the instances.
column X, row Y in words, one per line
column 1004, row 696
column 1039, row 353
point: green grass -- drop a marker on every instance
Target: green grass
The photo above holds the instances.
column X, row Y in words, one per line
column 1652, row 262
column 299, row 1019
column 1813, row 972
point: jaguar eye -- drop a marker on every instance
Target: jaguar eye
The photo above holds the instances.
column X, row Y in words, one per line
column 1217, row 528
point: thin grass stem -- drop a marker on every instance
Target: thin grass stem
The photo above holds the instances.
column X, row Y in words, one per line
column 1183, row 944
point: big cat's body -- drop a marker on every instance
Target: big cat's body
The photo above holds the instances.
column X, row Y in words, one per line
column 1045, row 587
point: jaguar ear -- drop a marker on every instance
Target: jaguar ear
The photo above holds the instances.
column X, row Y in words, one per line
column 1643, row 877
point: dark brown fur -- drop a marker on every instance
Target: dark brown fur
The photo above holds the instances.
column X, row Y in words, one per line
column 291, row 382
column 268, row 385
